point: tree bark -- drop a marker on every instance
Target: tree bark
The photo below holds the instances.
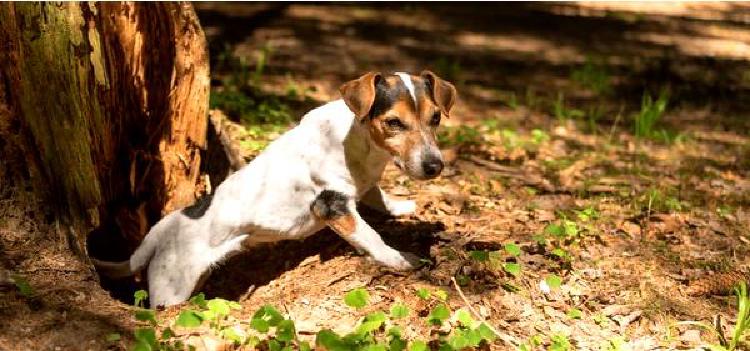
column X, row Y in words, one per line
column 110, row 102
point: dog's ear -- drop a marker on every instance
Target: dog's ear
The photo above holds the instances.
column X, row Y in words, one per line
column 359, row 94
column 443, row 92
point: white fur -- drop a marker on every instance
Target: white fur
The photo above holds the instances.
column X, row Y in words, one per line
column 406, row 78
column 269, row 200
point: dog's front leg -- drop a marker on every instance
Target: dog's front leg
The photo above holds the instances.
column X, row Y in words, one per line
column 339, row 212
column 377, row 199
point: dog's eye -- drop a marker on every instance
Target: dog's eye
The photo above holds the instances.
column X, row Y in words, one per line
column 395, row 123
column 435, row 120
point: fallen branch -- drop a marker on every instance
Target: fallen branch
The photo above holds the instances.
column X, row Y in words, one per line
column 515, row 173
column 504, row 337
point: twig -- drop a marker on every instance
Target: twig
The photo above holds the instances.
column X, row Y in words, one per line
column 720, row 330
column 614, row 125
column 507, row 338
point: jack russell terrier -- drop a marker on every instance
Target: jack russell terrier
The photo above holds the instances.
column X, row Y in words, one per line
column 310, row 177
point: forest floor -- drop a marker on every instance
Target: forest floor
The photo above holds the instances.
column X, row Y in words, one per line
column 562, row 223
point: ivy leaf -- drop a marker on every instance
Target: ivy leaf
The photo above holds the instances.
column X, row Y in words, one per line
column 439, row 314
column 266, row 316
column 357, row 298
column 464, row 318
column 232, row 335
column 479, row 255
column 486, row 333
column 259, row 324
column 199, row 300
column 274, row 345
column 574, row 313
column 167, row 333
column 141, row 345
column 512, row 268
column 146, row 316
column 441, row 294
column 140, row 296
column 560, row 252
column 375, row 317
column 555, row 230
column 553, row 281
column 285, row 331
column 371, row 322
column 374, row 348
column 397, row 343
column 189, row 319
column 423, row 293
column 539, row 239
column 399, row 311
column 219, row 306
column 512, row 249
column 368, row 327
column 418, row 345
column 330, row 341
column 146, row 336
column 304, row 346
column 571, row 228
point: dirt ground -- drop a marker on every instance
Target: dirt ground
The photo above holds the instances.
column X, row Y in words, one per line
column 650, row 214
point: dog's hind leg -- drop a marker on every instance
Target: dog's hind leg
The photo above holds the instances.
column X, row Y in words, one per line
column 171, row 280
column 339, row 212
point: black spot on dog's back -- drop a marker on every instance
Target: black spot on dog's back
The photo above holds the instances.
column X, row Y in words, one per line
column 199, row 208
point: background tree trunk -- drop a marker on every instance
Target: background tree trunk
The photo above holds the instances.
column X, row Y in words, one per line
column 108, row 103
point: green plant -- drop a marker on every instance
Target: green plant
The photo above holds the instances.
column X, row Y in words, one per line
column 539, row 136
column 23, row 286
column 593, row 115
column 462, row 135
column 357, row 298
column 592, row 76
column 496, row 260
column 513, row 101
column 741, row 330
column 559, row 342
column 650, row 113
column 381, row 331
column 260, row 64
column 561, row 112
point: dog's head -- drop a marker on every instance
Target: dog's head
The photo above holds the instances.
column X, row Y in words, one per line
column 402, row 113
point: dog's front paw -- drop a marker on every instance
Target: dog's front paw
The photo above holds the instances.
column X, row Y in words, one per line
column 402, row 207
column 399, row 260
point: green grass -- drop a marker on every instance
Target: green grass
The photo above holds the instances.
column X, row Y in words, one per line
column 240, row 95
column 562, row 113
column 738, row 339
column 651, row 112
column 593, row 76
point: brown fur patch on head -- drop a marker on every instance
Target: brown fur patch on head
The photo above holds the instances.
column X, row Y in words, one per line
column 394, row 101
column 359, row 94
column 443, row 92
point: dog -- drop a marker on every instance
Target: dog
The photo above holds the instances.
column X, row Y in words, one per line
column 311, row 177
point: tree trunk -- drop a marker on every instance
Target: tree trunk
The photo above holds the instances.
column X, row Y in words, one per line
column 110, row 105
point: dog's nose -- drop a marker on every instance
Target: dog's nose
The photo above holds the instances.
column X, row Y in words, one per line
column 432, row 166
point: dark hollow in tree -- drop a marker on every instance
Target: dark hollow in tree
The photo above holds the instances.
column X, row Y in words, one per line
column 108, row 108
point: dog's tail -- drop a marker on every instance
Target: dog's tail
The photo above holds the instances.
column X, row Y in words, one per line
column 135, row 264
